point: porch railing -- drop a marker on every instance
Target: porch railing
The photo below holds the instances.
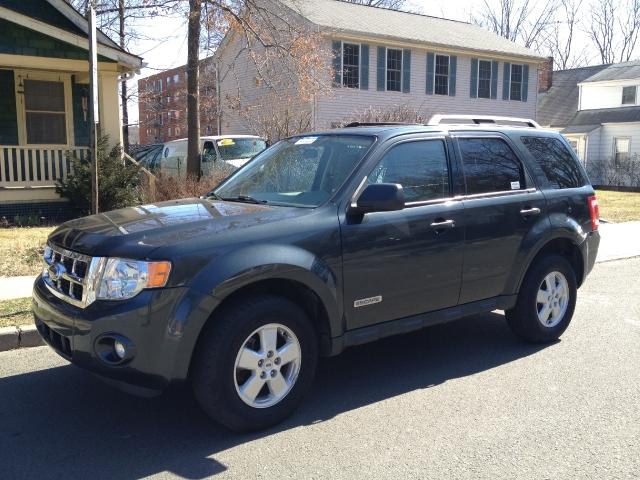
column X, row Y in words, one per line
column 23, row 167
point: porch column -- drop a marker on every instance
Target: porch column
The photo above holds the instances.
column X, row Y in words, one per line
column 109, row 100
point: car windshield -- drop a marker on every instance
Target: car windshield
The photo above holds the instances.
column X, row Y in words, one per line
column 299, row 171
column 235, row 148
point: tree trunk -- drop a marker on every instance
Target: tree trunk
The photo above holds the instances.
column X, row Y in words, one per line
column 123, row 92
column 193, row 85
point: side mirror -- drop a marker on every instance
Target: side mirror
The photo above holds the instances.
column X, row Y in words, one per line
column 379, row 197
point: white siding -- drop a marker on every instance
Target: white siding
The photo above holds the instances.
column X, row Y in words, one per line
column 611, row 131
column 345, row 102
column 594, row 96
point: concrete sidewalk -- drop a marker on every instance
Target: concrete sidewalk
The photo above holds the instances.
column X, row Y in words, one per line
column 16, row 287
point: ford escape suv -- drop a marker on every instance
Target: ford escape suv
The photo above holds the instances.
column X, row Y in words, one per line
column 321, row 242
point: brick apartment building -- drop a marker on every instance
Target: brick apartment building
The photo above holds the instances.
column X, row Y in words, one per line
column 162, row 104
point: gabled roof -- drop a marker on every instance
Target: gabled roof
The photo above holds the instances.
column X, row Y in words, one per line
column 59, row 19
column 617, row 71
column 382, row 23
column 559, row 104
column 606, row 115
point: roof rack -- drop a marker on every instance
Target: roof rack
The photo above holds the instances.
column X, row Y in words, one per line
column 481, row 120
column 376, row 124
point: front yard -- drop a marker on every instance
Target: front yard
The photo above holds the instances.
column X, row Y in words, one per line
column 15, row 312
column 21, row 250
column 619, row 206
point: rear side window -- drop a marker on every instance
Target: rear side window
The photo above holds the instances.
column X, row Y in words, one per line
column 490, row 166
column 556, row 161
column 420, row 167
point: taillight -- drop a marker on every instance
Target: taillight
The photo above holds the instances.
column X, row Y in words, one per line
column 594, row 212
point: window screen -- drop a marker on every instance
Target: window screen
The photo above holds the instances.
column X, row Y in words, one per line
column 629, row 95
column 484, row 79
column 394, row 70
column 556, row 161
column 420, row 167
column 622, row 148
column 516, row 82
column 350, row 65
column 441, row 80
column 44, row 106
column 490, row 166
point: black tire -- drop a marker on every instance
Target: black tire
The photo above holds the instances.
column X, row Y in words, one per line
column 523, row 318
column 212, row 372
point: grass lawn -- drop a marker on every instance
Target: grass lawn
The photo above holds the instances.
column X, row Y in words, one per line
column 21, row 250
column 619, row 206
column 15, row 312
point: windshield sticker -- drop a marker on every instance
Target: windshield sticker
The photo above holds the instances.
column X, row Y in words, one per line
column 306, row 140
column 515, row 185
column 226, row 142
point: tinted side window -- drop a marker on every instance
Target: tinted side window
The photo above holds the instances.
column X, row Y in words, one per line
column 420, row 167
column 556, row 161
column 490, row 166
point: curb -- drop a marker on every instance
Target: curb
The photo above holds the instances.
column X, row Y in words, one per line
column 22, row 336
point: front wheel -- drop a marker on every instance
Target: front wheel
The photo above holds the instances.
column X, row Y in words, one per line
column 546, row 301
column 255, row 362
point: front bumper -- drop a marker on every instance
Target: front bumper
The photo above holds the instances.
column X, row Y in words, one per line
column 155, row 321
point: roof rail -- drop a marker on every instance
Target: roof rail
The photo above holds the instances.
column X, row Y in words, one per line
column 482, row 119
column 377, row 124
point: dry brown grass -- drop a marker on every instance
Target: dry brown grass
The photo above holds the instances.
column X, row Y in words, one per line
column 170, row 188
column 21, row 250
column 619, row 206
column 15, row 312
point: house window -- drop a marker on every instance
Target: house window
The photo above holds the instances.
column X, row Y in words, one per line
column 176, row 78
column 629, row 95
column 484, row 79
column 350, row 65
column 441, row 79
column 177, row 131
column 45, row 112
column 394, row 70
column 622, row 149
column 574, row 144
column 516, row 83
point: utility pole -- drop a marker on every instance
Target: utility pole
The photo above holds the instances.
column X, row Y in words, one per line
column 218, row 99
column 94, row 114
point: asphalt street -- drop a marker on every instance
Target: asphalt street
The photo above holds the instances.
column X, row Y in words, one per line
column 461, row 400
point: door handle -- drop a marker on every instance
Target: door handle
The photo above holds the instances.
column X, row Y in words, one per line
column 443, row 224
column 529, row 212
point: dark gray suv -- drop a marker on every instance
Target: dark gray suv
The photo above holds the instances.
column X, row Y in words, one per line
column 321, row 242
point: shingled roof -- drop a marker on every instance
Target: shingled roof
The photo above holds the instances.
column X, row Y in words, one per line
column 617, row 71
column 559, row 104
column 383, row 23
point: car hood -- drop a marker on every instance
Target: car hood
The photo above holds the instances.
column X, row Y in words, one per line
column 136, row 231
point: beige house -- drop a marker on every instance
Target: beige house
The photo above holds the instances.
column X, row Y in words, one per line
column 385, row 59
column 44, row 82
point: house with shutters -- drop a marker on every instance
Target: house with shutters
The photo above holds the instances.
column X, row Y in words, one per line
column 384, row 59
column 44, row 80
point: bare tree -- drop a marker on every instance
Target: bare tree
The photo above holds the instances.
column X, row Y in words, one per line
column 390, row 4
column 561, row 41
column 520, row 21
column 193, row 88
column 613, row 28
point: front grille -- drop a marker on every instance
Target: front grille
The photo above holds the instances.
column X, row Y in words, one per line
column 57, row 341
column 67, row 274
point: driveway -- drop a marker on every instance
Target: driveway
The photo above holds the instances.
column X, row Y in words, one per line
column 461, row 400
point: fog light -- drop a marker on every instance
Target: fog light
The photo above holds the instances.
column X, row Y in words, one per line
column 120, row 349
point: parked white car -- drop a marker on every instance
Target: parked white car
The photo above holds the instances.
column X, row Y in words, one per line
column 217, row 151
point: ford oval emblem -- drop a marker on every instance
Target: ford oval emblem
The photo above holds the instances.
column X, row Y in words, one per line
column 56, row 271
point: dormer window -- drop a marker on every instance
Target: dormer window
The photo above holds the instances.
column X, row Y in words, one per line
column 629, row 95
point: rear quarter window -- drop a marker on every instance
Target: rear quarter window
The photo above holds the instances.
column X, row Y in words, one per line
column 555, row 160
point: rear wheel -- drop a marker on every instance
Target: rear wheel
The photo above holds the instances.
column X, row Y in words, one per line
column 546, row 301
column 255, row 362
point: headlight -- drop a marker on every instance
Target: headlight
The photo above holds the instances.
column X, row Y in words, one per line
column 122, row 278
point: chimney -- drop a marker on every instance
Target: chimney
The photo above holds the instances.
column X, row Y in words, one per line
column 545, row 75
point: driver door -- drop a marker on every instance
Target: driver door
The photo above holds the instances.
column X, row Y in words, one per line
column 402, row 263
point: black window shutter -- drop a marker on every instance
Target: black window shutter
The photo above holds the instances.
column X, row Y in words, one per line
column 494, row 80
column 473, row 88
column 337, row 63
column 430, row 73
column 406, row 70
column 506, row 78
column 453, row 65
column 364, row 67
column 525, row 82
column 380, row 71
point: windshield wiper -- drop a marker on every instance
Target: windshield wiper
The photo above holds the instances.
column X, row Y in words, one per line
column 209, row 195
column 243, row 199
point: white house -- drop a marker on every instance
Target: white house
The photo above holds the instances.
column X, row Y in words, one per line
column 598, row 110
column 385, row 59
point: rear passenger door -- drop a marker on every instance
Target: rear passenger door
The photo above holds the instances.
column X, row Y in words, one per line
column 501, row 207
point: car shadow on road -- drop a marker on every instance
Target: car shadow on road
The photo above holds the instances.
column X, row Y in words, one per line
column 62, row 422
